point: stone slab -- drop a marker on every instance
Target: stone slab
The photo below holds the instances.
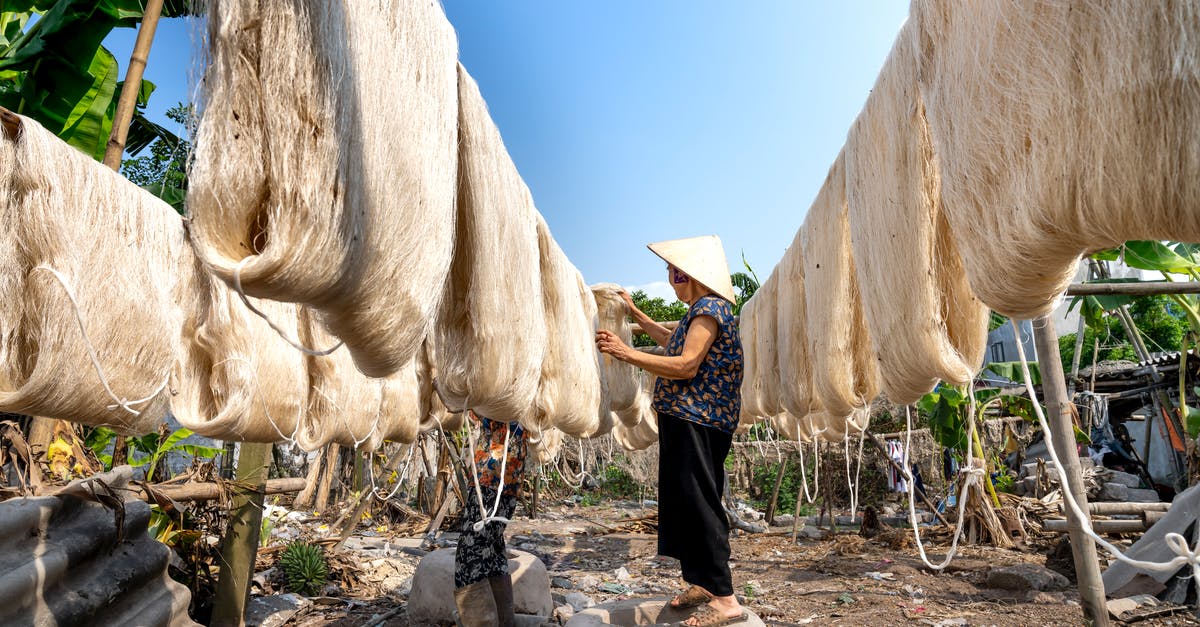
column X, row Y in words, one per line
column 432, row 598
column 1184, row 511
column 631, row 612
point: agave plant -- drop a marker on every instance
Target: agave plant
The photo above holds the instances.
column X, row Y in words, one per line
column 304, row 566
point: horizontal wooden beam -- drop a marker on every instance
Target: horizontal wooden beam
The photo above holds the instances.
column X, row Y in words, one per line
column 212, row 491
column 1141, row 288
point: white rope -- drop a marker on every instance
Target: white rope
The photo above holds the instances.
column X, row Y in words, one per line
column 499, row 486
column 804, row 474
column 854, row 484
column 971, row 475
column 237, row 287
column 1174, row 541
column 121, row 402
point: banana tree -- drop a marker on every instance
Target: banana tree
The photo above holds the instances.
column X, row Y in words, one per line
column 54, row 68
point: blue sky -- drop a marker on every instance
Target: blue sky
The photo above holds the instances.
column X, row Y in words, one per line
column 635, row 121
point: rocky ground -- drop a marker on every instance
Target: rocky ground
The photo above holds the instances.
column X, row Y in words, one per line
column 603, row 553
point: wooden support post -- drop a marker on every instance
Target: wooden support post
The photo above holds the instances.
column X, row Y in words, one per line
column 308, row 495
column 775, row 492
column 327, row 473
column 1058, row 407
column 127, row 101
column 240, row 544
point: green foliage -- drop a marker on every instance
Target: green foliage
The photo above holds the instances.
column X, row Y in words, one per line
column 658, row 309
column 995, row 321
column 1011, row 370
column 54, row 69
column 1160, row 320
column 945, row 408
column 155, row 447
column 304, row 566
column 616, row 482
column 162, row 172
column 763, row 483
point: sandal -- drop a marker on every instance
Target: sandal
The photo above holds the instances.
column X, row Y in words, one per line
column 694, row 596
column 707, row 616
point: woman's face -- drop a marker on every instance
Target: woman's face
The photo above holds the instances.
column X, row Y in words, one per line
column 679, row 281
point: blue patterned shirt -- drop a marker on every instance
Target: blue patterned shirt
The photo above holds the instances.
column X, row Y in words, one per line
column 712, row 398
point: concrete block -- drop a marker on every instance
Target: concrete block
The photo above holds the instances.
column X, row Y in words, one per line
column 432, row 597
column 630, row 612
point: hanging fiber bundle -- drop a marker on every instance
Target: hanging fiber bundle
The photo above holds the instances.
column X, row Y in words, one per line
column 543, row 447
column 96, row 275
column 915, row 295
column 239, row 380
column 748, row 330
column 623, row 379
column 492, row 328
column 785, row 425
column 641, row 435
column 402, row 407
column 343, row 404
column 844, row 370
column 766, row 345
column 794, row 368
column 1061, row 127
column 433, row 411
column 570, row 396
column 325, row 164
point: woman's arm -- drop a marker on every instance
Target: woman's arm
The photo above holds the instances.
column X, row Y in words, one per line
column 700, row 336
column 657, row 332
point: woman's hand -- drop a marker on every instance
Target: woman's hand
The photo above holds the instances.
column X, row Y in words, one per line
column 628, row 301
column 609, row 344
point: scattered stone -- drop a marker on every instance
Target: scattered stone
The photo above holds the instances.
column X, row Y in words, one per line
column 812, row 533
column 1115, row 492
column 274, row 610
column 1123, row 478
column 622, row 574
column 580, row 601
column 784, row 520
column 563, row 613
column 1022, row 577
column 1137, row 495
column 561, row 582
column 613, row 588
column 527, row 546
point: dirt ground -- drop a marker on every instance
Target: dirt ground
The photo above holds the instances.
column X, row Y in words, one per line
column 838, row 581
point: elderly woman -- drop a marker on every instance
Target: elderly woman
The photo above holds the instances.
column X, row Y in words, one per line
column 697, row 402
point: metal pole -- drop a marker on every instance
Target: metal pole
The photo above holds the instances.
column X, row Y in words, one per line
column 1054, row 391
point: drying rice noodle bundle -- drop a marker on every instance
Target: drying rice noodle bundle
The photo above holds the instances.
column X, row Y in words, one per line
column 748, row 330
column 785, row 425
column 402, row 406
column 570, row 395
column 343, row 404
column 843, row 363
column 544, row 447
column 892, row 191
column 794, row 369
column 766, row 346
column 491, row 328
column 637, row 427
column 73, row 226
column 1061, row 127
column 325, row 165
column 623, row 379
column 433, row 411
column 832, row 427
column 239, row 379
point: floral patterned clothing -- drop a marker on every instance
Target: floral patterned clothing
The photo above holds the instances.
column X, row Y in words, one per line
column 490, row 454
column 712, row 398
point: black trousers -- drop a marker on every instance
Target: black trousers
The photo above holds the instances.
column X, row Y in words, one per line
column 692, row 526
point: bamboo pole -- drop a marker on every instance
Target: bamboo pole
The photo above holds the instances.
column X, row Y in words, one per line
column 239, row 547
column 133, row 85
column 1140, row 288
column 212, row 491
column 325, row 485
column 1136, row 525
column 1110, row 509
column 1083, row 548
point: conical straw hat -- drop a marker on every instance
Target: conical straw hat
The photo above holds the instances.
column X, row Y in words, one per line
column 702, row 258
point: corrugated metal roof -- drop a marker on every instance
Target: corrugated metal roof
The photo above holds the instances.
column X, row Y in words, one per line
column 70, row 560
